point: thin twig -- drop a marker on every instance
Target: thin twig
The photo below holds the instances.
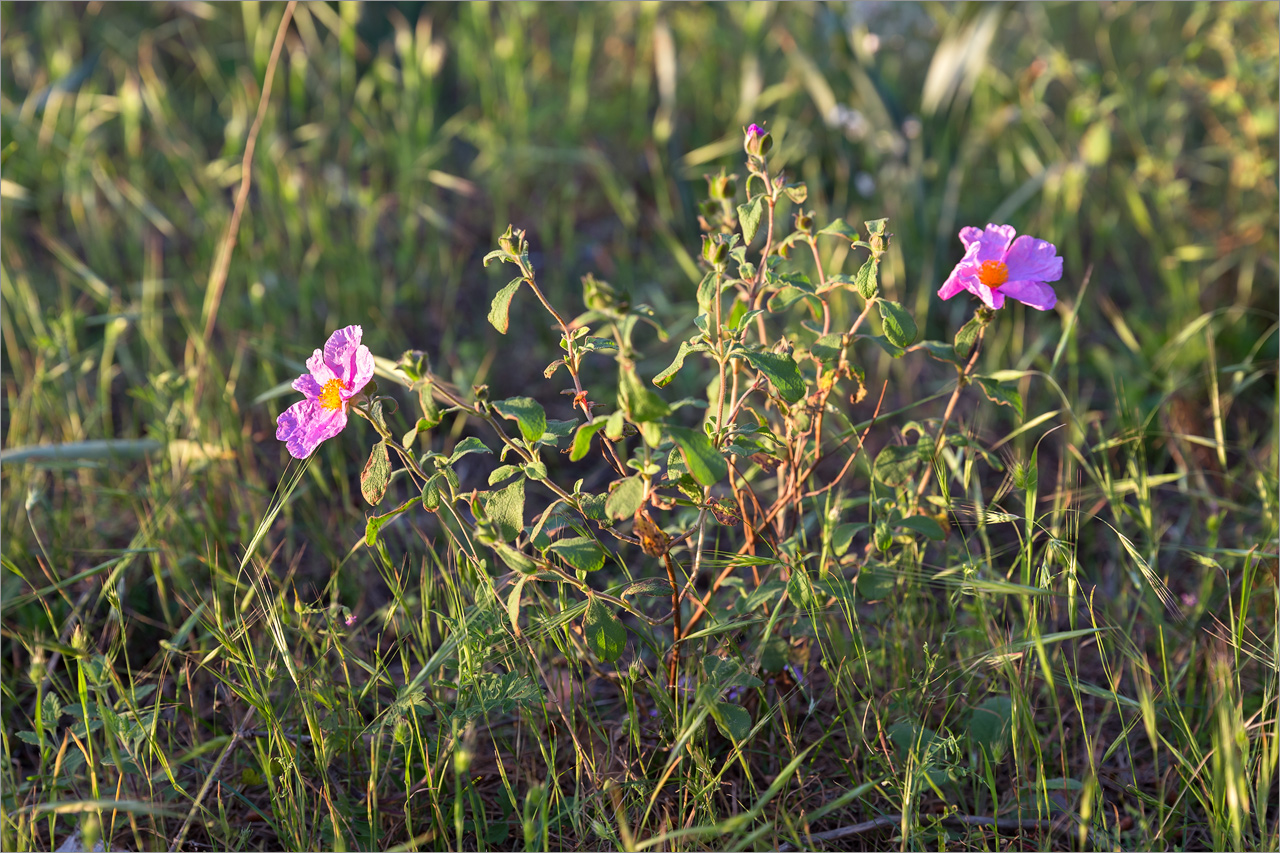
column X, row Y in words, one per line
column 236, row 737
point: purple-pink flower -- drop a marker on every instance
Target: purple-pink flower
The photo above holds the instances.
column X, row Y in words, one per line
column 995, row 265
column 338, row 373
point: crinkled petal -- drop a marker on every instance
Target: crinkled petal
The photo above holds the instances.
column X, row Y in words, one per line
column 306, row 423
column 362, row 372
column 970, row 235
column 1037, row 294
column 994, row 242
column 992, row 298
column 958, row 281
column 320, row 371
column 1030, row 259
column 308, row 385
column 340, row 353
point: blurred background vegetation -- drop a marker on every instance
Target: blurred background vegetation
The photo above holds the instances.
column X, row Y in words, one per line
column 401, row 139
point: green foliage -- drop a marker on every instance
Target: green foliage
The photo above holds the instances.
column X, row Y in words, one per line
column 1087, row 535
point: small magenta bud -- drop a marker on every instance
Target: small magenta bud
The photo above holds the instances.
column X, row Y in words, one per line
column 758, row 141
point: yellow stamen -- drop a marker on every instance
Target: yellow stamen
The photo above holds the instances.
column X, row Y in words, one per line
column 993, row 273
column 329, row 398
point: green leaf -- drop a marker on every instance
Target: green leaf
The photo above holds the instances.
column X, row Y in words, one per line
column 625, row 498
column 526, row 412
column 513, row 603
column 924, row 524
column 749, row 215
column 640, row 404
column 502, row 304
column 899, row 327
column 497, row 475
column 990, row 725
column 29, row 737
column 842, row 537
column 887, row 345
column 781, row 371
column 431, row 493
column 867, row 281
column 582, row 439
column 1002, row 394
column 732, row 720
column 505, row 508
column 896, row 464
column 653, row 587
column 840, row 228
column 940, row 351
column 470, row 444
column 800, row 588
column 876, row 227
column 826, row 349
column 376, row 474
column 700, row 456
column 515, row 558
column 774, row 655
column 875, row 581
column 790, row 295
column 605, row 634
column 968, row 336
column 707, row 292
column 687, row 348
column 374, row 524
column 580, row 552
column 796, row 192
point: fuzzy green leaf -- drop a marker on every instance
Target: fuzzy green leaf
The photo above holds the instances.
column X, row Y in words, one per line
column 866, row 280
column 526, row 412
column 990, row 725
column 781, row 371
column 968, row 336
column 582, row 440
column 686, row 349
column 840, row 228
column 580, row 552
column 653, row 587
column 501, row 305
column 376, row 474
column 605, row 634
column 924, row 524
column 625, row 498
column 1003, row 394
column 640, row 404
column 375, row 524
column 899, row 326
column 470, row 444
column 749, row 215
column 732, row 720
column 505, row 508
column 701, row 458
column 895, row 464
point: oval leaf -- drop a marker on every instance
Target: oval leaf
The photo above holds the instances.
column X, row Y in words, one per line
column 605, row 634
column 895, row 464
column 899, row 326
column 781, row 371
column 580, row 552
column 502, row 304
column 376, row 474
column 625, row 498
column 701, row 458
column 526, row 412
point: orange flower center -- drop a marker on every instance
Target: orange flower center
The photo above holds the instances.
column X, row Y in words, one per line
column 329, row 397
column 993, row 273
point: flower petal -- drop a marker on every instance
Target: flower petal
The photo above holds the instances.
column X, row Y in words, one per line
column 970, row 235
column 993, row 298
column 340, row 353
column 1030, row 259
column 320, row 371
column 958, row 280
column 306, row 423
column 994, row 242
column 1037, row 294
column 308, row 385
column 362, row 372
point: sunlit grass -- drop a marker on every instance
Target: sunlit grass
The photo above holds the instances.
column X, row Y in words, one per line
column 178, row 661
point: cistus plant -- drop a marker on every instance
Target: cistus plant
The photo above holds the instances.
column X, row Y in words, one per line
column 752, row 497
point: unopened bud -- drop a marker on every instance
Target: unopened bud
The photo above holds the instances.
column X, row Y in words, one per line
column 758, row 141
column 714, row 252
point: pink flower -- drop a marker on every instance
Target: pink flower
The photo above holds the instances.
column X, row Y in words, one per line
column 995, row 266
column 338, row 373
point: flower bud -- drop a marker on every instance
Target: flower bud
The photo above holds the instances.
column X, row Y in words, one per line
column 758, row 141
column 714, row 252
